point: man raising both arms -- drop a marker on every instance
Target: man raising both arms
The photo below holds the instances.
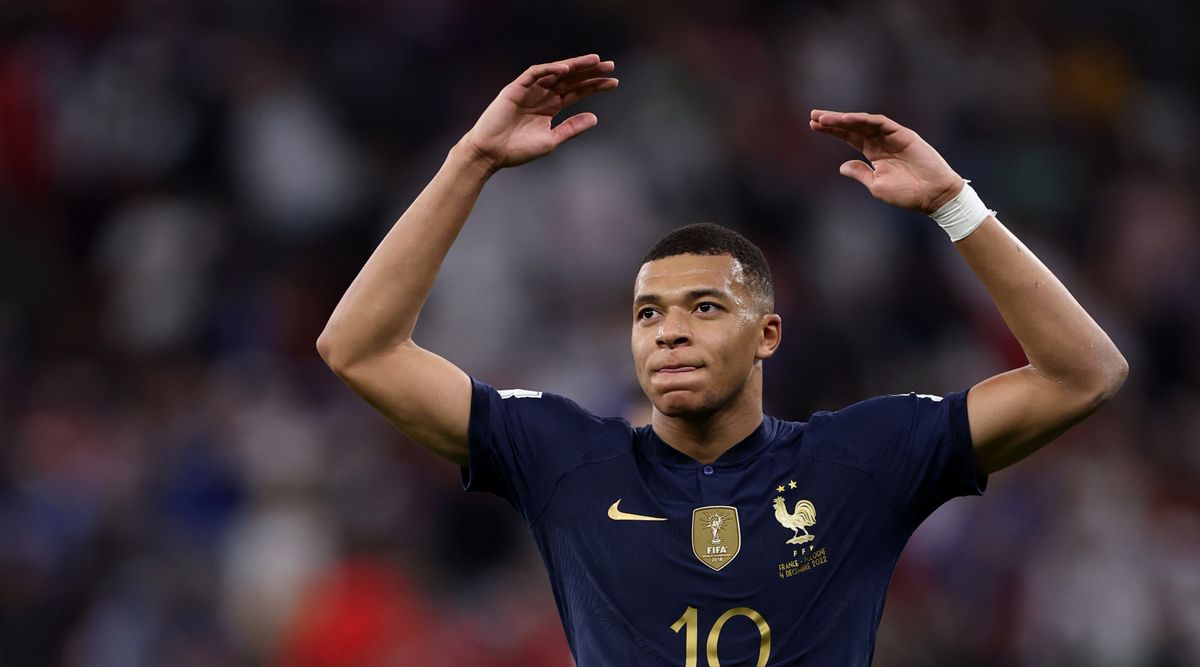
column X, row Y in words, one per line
column 716, row 535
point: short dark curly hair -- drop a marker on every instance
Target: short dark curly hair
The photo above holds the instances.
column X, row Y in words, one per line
column 706, row 238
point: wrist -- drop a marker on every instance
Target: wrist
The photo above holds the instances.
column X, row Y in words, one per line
column 961, row 214
column 954, row 186
column 469, row 156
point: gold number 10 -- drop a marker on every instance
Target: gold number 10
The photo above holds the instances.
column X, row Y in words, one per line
column 691, row 620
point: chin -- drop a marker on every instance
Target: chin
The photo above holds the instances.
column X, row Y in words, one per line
column 685, row 404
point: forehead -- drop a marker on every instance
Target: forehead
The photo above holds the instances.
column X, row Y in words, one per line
column 680, row 273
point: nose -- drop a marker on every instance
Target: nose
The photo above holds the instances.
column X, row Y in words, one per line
column 673, row 330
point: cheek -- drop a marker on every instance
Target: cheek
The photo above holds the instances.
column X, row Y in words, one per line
column 737, row 353
column 639, row 350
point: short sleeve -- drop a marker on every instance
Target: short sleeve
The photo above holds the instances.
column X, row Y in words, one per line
column 521, row 442
column 917, row 447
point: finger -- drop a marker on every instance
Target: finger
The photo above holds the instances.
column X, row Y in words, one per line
column 859, row 171
column 537, row 72
column 568, row 81
column 876, row 119
column 574, row 126
column 845, row 135
column 588, row 88
column 556, row 69
column 822, row 120
column 560, row 83
column 581, row 61
column 827, row 117
column 847, row 117
column 816, row 114
column 868, row 124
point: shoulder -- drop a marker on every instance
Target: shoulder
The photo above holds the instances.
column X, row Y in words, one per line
column 860, row 429
column 783, row 430
column 528, row 411
column 876, row 412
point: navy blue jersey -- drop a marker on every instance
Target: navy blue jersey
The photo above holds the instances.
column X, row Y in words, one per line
column 778, row 553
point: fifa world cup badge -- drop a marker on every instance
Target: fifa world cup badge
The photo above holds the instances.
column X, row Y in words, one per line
column 716, row 535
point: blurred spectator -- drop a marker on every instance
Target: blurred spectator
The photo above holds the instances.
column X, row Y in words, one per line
column 186, row 190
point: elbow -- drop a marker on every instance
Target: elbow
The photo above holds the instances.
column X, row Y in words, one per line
column 327, row 350
column 1110, row 377
column 334, row 353
column 1120, row 371
column 342, row 357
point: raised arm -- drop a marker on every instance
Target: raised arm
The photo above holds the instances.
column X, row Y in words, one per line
column 1074, row 368
column 368, row 339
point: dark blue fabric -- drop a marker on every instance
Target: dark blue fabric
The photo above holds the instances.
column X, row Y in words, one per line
column 858, row 481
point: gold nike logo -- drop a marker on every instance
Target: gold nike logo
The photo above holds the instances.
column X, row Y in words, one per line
column 617, row 515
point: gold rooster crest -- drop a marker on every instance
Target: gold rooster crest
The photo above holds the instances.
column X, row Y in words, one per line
column 799, row 519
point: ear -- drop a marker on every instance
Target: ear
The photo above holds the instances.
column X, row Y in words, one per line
column 771, row 335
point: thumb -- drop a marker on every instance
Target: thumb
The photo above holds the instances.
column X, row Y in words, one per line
column 859, row 171
column 574, row 126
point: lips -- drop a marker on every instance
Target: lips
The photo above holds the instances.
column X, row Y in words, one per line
column 677, row 368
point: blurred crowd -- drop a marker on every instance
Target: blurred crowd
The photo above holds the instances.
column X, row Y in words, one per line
column 187, row 188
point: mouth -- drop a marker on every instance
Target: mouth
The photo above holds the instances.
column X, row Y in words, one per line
column 678, row 368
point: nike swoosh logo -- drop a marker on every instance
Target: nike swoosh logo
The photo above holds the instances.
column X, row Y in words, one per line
column 617, row 515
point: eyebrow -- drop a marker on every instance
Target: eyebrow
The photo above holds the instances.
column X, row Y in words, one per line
column 691, row 296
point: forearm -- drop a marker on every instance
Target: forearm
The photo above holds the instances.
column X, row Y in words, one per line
column 1060, row 339
column 379, row 310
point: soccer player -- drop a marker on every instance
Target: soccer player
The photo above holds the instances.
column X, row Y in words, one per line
column 716, row 535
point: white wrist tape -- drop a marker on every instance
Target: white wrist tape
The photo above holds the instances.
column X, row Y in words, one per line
column 963, row 214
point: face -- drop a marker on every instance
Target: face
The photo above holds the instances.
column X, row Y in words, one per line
column 698, row 333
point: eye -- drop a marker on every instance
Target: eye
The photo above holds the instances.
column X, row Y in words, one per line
column 707, row 307
column 645, row 313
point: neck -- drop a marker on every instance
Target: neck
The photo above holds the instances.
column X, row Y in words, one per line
column 706, row 437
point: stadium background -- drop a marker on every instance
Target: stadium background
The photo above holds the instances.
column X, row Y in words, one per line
column 187, row 188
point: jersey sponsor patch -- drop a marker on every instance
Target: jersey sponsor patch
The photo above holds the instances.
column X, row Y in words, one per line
column 518, row 393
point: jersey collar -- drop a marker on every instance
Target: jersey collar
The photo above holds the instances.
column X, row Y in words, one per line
column 751, row 446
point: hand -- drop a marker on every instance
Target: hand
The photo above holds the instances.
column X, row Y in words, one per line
column 515, row 127
column 904, row 170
